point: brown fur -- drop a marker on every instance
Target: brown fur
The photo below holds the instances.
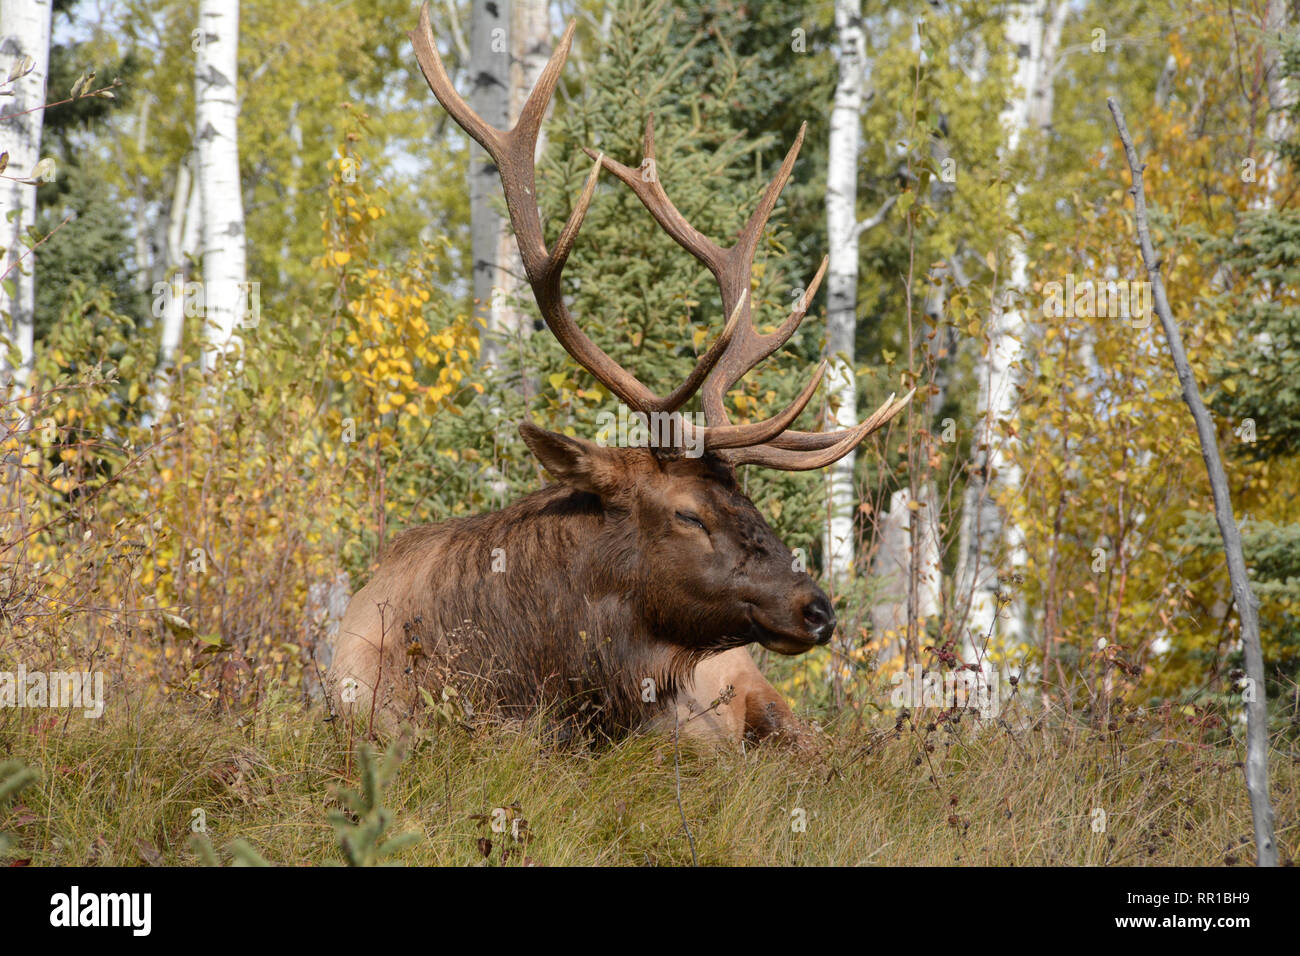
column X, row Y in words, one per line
column 572, row 599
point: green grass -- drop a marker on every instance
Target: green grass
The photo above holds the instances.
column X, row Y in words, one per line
column 122, row 790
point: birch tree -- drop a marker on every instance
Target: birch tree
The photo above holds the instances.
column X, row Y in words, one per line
column 530, row 48
column 489, row 68
column 842, row 276
column 25, row 62
column 906, row 569
column 217, row 154
column 181, row 245
column 987, row 542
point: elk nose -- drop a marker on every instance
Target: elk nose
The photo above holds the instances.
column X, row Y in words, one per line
column 820, row 618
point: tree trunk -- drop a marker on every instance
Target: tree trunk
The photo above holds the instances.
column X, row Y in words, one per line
column 530, row 48
column 842, row 277
column 25, row 26
column 489, row 69
column 906, row 569
column 1247, row 604
column 988, row 542
column 925, row 555
column 220, row 196
column 182, row 240
column 1042, row 98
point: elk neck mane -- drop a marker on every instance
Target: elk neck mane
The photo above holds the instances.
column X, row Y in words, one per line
column 471, row 592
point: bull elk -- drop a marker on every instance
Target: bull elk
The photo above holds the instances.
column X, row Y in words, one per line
column 625, row 593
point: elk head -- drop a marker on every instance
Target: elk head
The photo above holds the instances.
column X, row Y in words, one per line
column 682, row 540
column 718, row 570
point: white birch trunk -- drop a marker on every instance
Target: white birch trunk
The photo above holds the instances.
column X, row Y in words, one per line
column 489, row 70
column 925, row 555
column 896, row 561
column 842, row 277
column 989, row 544
column 220, row 196
column 530, row 48
column 24, row 32
column 1042, row 99
column 181, row 244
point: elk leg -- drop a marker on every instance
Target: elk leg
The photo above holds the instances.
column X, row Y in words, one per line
column 767, row 714
column 755, row 710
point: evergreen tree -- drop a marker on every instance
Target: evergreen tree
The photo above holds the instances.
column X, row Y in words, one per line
column 88, row 250
column 648, row 303
column 1259, row 394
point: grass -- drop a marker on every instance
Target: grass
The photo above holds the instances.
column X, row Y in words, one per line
column 128, row 789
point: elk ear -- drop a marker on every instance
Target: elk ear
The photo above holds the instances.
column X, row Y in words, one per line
column 575, row 461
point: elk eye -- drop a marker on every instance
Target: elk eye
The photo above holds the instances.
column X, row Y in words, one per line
column 694, row 519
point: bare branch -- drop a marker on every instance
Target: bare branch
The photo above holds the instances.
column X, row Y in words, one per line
column 867, row 225
column 1247, row 605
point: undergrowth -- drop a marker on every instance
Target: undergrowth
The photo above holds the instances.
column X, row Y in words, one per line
column 161, row 783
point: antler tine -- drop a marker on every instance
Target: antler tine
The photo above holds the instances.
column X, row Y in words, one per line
column 784, row 459
column 512, row 151
column 435, row 74
column 745, row 247
column 731, row 268
column 717, row 437
column 756, row 347
column 569, row 234
column 529, row 125
column 748, row 348
column 651, row 192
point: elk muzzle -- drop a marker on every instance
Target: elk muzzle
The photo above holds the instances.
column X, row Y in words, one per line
column 820, row 617
column 795, row 621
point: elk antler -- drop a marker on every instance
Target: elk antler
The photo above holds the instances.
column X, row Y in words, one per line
column 512, row 151
column 732, row 267
column 737, row 350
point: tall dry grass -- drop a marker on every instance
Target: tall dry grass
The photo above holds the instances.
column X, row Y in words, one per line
column 130, row 788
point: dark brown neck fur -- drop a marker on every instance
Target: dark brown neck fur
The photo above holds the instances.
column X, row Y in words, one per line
column 480, row 587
